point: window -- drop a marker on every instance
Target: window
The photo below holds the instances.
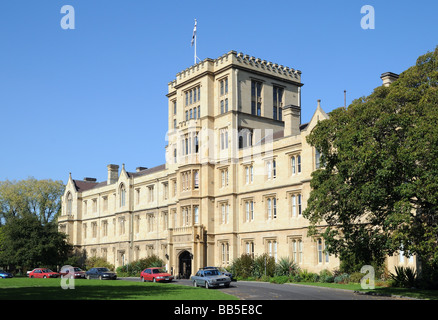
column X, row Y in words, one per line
column 323, row 255
column 245, row 137
column 165, row 221
column 296, row 205
column 186, row 216
column 225, row 253
column 295, row 162
column 137, row 195
column 150, row 222
column 249, row 210
column 193, row 95
column 317, row 159
column 69, row 203
column 94, row 229
column 105, row 203
column 105, row 228
column 185, row 180
column 249, row 248
column 272, row 249
column 94, row 205
column 299, row 163
column 196, row 214
column 122, row 196
column 277, row 103
column 224, row 177
column 224, row 106
column 196, row 179
column 249, row 174
column 271, row 204
column 225, row 212
column 256, row 98
column 150, row 193
column 174, row 106
column 165, row 190
column 223, row 84
column 271, row 169
column 224, row 139
column 121, row 225
column 297, row 250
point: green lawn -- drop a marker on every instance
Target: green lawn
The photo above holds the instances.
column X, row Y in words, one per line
column 50, row 289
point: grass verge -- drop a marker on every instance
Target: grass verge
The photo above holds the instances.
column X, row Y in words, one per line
column 412, row 293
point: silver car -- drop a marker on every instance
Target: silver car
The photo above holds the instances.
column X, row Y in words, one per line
column 210, row 278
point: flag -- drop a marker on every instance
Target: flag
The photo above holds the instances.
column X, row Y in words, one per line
column 194, row 33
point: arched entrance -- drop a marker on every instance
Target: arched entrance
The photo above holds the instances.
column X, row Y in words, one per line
column 185, row 265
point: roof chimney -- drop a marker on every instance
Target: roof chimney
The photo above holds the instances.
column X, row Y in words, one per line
column 113, row 173
column 292, row 120
column 388, row 78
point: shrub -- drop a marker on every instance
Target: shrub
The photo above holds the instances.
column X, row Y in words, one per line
column 306, row 276
column 404, row 277
column 242, row 267
column 342, row 278
column 326, row 276
column 355, row 277
column 286, row 267
column 296, row 278
column 264, row 265
column 134, row 268
column 98, row 262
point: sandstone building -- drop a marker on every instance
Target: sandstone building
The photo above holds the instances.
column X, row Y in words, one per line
column 236, row 178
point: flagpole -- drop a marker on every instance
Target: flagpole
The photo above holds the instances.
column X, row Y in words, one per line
column 195, row 47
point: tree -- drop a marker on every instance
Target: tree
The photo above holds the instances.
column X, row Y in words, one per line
column 40, row 198
column 377, row 192
column 27, row 243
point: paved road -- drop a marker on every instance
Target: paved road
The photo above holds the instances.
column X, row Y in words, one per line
column 250, row 290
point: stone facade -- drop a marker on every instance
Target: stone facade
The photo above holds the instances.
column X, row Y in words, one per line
column 236, row 178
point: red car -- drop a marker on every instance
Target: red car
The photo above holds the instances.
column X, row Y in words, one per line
column 43, row 273
column 155, row 275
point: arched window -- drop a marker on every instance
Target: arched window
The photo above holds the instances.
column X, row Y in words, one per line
column 69, row 203
column 122, row 195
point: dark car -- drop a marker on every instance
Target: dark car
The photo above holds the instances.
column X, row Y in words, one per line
column 222, row 271
column 210, row 278
column 4, row 274
column 78, row 273
column 100, row 273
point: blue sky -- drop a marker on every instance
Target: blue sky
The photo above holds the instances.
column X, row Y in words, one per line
column 77, row 100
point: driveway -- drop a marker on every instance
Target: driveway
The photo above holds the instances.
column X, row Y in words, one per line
column 251, row 290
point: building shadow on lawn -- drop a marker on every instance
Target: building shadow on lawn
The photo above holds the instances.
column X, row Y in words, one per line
column 99, row 292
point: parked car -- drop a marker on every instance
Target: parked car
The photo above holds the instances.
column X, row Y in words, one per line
column 100, row 273
column 43, row 273
column 210, row 278
column 222, row 271
column 155, row 275
column 4, row 274
column 28, row 272
column 78, row 273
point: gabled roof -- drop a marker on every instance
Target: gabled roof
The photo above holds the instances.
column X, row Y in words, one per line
column 147, row 171
column 82, row 185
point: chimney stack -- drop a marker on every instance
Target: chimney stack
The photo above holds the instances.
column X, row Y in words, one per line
column 113, row 173
column 388, row 78
column 292, row 120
